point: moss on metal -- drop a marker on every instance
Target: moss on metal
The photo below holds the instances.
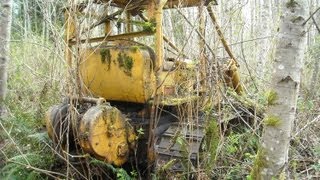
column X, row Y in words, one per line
column 125, row 62
column 134, row 49
column 148, row 26
column 106, row 56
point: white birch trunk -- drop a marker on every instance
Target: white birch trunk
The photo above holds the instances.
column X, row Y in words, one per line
column 5, row 27
column 265, row 25
column 288, row 62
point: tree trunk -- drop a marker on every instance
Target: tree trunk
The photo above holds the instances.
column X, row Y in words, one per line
column 282, row 99
column 5, row 26
column 315, row 73
column 264, row 29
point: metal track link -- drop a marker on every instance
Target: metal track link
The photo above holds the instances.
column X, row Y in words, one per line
column 178, row 148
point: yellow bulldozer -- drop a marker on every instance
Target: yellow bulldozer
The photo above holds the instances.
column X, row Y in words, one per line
column 135, row 104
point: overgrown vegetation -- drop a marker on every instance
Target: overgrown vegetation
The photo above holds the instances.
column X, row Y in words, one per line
column 25, row 147
column 37, row 81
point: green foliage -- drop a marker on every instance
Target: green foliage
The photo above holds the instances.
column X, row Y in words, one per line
column 245, row 101
column 168, row 165
column 25, row 166
column 316, row 152
column 314, row 49
column 272, row 120
column 316, row 167
column 20, row 166
column 233, row 143
column 134, row 174
column 140, row 131
column 293, row 165
column 271, row 97
column 32, row 88
column 259, row 164
column 181, row 140
column 120, row 173
column 305, row 105
column 149, row 26
column 238, row 151
column 34, row 20
column 235, row 173
column 211, row 142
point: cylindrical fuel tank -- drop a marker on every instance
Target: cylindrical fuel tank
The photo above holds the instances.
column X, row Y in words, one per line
column 119, row 71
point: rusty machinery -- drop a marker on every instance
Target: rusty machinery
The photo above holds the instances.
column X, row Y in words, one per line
column 128, row 83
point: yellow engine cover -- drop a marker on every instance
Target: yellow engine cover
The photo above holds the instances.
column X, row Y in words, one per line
column 119, row 71
column 105, row 133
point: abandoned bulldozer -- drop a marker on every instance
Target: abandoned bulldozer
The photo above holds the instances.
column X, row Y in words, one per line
column 136, row 105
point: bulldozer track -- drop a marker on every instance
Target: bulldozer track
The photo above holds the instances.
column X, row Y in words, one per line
column 178, row 148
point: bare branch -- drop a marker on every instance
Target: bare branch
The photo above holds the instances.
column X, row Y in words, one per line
column 305, row 22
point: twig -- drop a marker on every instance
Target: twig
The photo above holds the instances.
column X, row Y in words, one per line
column 218, row 29
column 102, row 20
column 307, row 125
column 246, row 63
column 249, row 40
column 49, row 173
column 66, row 160
column 315, row 23
column 15, row 144
column 197, row 31
column 304, row 23
column 164, row 37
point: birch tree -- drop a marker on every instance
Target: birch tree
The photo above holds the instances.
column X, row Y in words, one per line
column 284, row 88
column 264, row 30
column 5, row 26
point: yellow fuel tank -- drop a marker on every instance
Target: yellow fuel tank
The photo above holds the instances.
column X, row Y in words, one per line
column 119, row 71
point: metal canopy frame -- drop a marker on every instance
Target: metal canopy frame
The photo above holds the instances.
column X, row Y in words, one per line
column 142, row 4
